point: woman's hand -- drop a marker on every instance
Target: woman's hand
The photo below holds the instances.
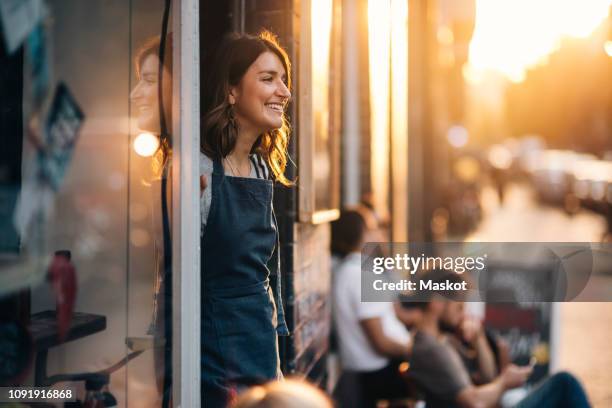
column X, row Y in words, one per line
column 203, row 184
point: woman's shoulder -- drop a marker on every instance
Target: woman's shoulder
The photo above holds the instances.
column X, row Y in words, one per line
column 206, row 164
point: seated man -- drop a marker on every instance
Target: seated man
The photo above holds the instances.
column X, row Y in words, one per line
column 483, row 353
column 372, row 339
column 438, row 370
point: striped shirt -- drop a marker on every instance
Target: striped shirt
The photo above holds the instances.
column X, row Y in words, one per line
column 259, row 170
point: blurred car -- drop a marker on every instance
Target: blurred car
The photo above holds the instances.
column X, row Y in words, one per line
column 552, row 173
column 592, row 185
column 591, row 181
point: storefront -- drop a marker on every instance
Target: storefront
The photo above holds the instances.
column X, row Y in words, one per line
column 98, row 266
column 99, row 253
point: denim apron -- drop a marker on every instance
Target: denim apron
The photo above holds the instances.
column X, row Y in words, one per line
column 240, row 318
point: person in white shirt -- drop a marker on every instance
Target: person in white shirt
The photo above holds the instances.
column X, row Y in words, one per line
column 372, row 339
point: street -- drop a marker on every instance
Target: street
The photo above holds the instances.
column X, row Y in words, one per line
column 585, row 327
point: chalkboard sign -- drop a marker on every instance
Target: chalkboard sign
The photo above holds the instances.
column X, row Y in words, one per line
column 526, row 328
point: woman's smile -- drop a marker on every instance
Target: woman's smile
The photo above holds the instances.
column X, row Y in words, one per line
column 263, row 85
column 276, row 107
column 145, row 95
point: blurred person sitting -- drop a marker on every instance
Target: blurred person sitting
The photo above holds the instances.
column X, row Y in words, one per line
column 372, row 340
column 483, row 353
column 284, row 394
column 437, row 368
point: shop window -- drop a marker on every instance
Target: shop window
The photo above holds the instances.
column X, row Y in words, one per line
column 319, row 94
column 84, row 278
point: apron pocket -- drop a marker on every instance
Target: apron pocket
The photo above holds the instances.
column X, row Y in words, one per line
column 247, row 337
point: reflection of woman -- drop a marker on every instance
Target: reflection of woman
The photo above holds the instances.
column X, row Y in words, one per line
column 244, row 140
column 146, row 102
column 145, row 95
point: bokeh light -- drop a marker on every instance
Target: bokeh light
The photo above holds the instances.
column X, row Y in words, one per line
column 146, row 144
column 457, row 136
column 500, row 157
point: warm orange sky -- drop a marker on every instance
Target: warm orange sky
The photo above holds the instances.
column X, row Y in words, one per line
column 512, row 35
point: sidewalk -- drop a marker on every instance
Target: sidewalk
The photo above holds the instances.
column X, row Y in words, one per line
column 586, row 328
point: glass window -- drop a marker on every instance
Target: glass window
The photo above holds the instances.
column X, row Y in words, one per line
column 86, row 143
column 319, row 90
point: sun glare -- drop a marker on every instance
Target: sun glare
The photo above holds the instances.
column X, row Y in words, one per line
column 608, row 48
column 379, row 37
column 512, row 36
column 399, row 119
column 322, row 25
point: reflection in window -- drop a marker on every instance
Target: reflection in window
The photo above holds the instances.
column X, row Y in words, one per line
column 81, row 248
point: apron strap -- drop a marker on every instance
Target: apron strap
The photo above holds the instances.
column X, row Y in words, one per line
column 275, row 278
column 218, row 167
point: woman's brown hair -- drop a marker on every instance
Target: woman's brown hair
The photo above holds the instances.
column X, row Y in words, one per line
column 232, row 59
column 152, row 47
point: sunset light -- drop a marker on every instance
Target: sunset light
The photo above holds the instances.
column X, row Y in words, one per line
column 379, row 42
column 512, row 36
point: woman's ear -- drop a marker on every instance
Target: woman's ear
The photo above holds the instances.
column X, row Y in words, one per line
column 232, row 96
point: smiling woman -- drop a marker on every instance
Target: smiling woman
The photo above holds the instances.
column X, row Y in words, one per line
column 245, row 94
column 145, row 99
column 145, row 95
column 259, row 99
column 243, row 143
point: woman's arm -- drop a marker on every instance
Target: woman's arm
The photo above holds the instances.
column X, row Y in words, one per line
column 203, row 184
column 206, row 170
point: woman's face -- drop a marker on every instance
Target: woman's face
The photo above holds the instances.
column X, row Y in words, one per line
column 261, row 96
column 144, row 96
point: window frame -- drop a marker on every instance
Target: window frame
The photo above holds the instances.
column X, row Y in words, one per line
column 186, row 204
